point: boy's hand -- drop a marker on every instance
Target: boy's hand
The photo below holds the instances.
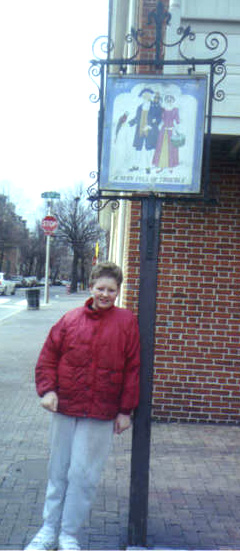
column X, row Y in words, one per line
column 50, row 401
column 121, row 423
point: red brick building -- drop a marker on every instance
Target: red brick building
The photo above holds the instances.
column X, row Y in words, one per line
column 197, row 332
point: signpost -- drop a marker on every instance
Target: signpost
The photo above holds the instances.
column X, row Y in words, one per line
column 49, row 225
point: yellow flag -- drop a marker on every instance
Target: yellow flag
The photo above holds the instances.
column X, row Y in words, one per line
column 96, row 250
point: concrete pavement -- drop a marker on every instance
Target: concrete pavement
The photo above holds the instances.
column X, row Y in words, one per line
column 194, row 500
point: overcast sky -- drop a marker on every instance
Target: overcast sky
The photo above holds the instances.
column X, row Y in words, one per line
column 48, row 126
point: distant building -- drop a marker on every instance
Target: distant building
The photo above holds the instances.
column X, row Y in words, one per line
column 12, row 233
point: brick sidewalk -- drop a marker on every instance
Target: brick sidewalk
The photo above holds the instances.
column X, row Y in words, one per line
column 194, row 476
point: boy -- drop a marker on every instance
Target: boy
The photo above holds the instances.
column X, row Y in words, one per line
column 87, row 375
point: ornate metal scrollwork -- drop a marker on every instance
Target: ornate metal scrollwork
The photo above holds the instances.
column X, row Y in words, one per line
column 216, row 42
column 98, row 202
column 159, row 17
column 185, row 33
column 138, row 38
column 94, row 72
column 219, row 69
column 93, row 189
column 101, row 48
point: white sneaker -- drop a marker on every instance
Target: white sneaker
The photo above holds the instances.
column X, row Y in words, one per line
column 43, row 540
column 67, row 543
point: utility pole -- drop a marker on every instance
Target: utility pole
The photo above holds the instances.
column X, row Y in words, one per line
column 49, row 225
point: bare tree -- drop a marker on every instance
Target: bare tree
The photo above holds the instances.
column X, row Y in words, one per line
column 60, row 260
column 33, row 253
column 78, row 226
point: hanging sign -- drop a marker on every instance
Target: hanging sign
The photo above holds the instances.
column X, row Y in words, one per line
column 153, row 134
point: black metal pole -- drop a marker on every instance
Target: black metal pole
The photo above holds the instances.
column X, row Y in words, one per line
column 101, row 114
column 149, row 244
column 206, row 174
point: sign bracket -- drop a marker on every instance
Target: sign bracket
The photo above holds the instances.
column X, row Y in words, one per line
column 213, row 64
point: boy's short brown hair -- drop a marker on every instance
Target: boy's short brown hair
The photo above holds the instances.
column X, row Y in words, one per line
column 106, row 269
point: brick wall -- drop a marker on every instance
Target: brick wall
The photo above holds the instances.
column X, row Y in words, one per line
column 197, row 354
column 197, row 335
column 132, row 263
column 197, row 358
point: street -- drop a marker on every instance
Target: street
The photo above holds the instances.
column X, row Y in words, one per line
column 11, row 304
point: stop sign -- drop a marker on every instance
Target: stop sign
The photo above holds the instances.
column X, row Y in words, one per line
column 49, row 224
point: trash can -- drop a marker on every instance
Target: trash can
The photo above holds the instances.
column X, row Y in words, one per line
column 33, row 298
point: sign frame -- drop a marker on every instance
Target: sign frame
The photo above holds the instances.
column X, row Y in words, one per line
column 141, row 157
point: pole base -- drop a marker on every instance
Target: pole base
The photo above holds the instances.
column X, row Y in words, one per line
column 134, row 548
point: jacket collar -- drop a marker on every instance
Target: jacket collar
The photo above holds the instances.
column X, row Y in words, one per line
column 95, row 314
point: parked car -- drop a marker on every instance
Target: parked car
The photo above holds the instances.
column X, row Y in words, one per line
column 7, row 285
column 30, row 281
column 19, row 280
column 56, row 282
column 42, row 281
column 66, row 282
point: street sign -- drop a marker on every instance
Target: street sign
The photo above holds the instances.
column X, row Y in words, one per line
column 50, row 195
column 49, row 224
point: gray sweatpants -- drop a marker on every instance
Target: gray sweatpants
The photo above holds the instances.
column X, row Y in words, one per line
column 79, row 449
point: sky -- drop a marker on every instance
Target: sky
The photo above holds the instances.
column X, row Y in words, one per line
column 48, row 126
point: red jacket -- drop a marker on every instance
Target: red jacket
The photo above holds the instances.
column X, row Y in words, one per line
column 91, row 360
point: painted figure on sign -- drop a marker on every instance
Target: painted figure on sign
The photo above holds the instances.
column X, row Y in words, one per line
column 147, row 119
column 121, row 122
column 166, row 154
